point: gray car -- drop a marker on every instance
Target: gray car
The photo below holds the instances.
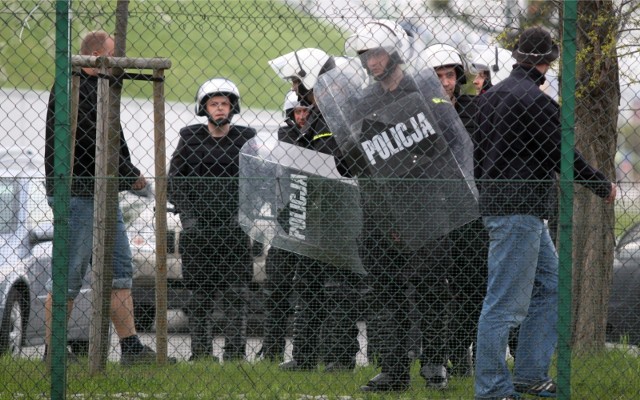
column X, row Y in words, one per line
column 623, row 322
column 26, row 234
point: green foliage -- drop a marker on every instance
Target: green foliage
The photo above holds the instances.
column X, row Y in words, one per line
column 234, row 39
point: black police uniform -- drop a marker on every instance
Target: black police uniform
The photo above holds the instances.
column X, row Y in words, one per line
column 325, row 296
column 278, row 288
column 409, row 288
column 468, row 275
column 203, row 185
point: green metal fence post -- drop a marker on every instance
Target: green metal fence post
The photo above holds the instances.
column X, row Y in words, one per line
column 567, row 115
column 62, row 154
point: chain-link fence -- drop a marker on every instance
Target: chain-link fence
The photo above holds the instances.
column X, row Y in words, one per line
column 284, row 200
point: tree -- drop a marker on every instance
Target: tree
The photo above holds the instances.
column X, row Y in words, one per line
column 597, row 100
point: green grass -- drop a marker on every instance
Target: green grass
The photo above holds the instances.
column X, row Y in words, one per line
column 611, row 374
column 206, row 380
column 203, row 39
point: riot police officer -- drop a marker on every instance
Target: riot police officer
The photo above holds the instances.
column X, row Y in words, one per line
column 468, row 277
column 280, row 264
column 324, row 294
column 404, row 279
column 203, row 187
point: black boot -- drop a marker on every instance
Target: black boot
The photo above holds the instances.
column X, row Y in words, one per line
column 385, row 382
column 340, row 330
column 308, row 314
column 234, row 306
column 200, row 306
column 277, row 308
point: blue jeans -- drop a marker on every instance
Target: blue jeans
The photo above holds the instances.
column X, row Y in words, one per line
column 81, row 247
column 522, row 290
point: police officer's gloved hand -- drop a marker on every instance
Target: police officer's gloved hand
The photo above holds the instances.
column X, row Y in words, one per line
column 264, row 227
column 264, row 230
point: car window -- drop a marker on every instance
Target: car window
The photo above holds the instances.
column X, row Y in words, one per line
column 40, row 213
column 8, row 205
column 631, row 235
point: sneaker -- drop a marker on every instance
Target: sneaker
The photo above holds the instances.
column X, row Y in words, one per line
column 545, row 389
column 436, row 376
column 145, row 356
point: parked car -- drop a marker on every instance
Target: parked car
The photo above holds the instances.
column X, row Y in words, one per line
column 139, row 214
column 26, row 248
column 623, row 322
column 26, row 234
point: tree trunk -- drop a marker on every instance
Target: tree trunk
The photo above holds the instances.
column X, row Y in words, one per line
column 597, row 100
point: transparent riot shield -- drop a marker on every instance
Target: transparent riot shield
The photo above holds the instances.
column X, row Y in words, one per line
column 409, row 150
column 294, row 199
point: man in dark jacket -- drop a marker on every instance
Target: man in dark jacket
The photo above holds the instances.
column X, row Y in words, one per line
column 203, row 185
column 517, row 154
column 97, row 43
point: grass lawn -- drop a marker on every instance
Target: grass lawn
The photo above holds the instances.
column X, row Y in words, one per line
column 610, row 375
column 203, row 39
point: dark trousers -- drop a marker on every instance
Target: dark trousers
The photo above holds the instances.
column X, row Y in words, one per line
column 468, row 283
column 278, row 290
column 216, row 269
column 409, row 297
column 324, row 325
column 234, row 320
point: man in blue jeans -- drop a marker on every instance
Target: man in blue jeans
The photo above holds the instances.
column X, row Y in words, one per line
column 97, row 43
column 517, row 154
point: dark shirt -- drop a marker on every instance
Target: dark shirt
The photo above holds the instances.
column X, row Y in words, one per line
column 203, row 176
column 289, row 133
column 85, row 148
column 376, row 97
column 315, row 134
column 467, row 109
column 518, row 150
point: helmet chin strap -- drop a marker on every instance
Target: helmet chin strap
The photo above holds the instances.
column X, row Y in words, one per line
column 218, row 122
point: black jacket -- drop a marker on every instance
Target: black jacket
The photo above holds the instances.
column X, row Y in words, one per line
column 467, row 108
column 85, row 148
column 517, row 148
column 315, row 134
column 289, row 134
column 203, row 176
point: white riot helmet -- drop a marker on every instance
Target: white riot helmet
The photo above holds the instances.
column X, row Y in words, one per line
column 218, row 86
column 290, row 102
column 444, row 55
column 494, row 59
column 305, row 65
column 380, row 34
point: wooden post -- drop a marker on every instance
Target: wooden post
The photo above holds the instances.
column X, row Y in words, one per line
column 103, row 232
column 106, row 201
column 161, row 216
column 75, row 98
